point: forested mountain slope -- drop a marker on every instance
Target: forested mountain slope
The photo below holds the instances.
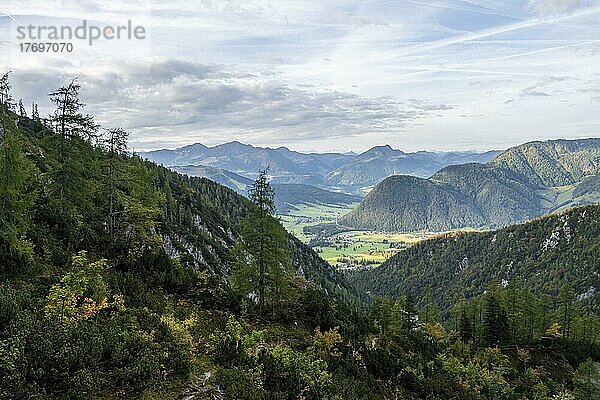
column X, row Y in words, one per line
column 522, row 183
column 543, row 255
column 193, row 219
column 552, row 163
column 413, row 202
column 288, row 196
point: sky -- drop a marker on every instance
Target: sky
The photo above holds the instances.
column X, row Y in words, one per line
column 324, row 75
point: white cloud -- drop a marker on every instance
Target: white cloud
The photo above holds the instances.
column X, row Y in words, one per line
column 553, row 7
column 172, row 102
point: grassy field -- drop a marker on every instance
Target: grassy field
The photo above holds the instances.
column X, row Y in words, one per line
column 347, row 249
column 360, row 248
column 311, row 215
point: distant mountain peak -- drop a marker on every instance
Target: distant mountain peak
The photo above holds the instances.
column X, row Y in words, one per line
column 193, row 146
column 381, row 151
column 234, row 143
column 383, row 148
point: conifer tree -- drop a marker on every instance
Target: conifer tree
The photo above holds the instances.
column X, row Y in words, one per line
column 382, row 313
column 495, row 322
column 7, row 103
column 6, row 98
column 116, row 145
column 68, row 120
column 465, row 326
column 35, row 114
column 70, row 125
column 406, row 311
column 22, row 111
column 16, row 196
column 263, row 253
column 566, row 300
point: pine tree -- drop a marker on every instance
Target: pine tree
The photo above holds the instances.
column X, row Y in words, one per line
column 7, row 104
column 35, row 114
column 116, row 145
column 465, row 326
column 68, row 120
column 566, row 300
column 382, row 314
column 408, row 315
column 16, row 196
column 263, row 253
column 6, row 99
column 22, row 111
column 495, row 322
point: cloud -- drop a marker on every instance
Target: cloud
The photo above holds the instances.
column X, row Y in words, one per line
column 328, row 74
column 554, row 7
column 173, row 102
column 532, row 90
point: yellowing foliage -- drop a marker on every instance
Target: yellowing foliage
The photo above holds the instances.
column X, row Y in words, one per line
column 81, row 294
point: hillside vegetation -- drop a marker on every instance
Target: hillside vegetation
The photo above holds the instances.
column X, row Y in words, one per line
column 542, row 255
column 520, row 184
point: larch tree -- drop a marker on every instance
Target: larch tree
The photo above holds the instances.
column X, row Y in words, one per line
column 263, row 260
column 70, row 125
column 6, row 98
column 566, row 308
column 35, row 113
column 465, row 326
column 7, row 103
column 495, row 321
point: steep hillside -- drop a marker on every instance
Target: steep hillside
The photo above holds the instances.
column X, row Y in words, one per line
column 552, row 163
column 121, row 279
column 522, row 183
column 413, row 204
column 542, row 255
column 192, row 219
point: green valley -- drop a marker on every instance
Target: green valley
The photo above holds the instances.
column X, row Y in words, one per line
column 316, row 225
column 354, row 249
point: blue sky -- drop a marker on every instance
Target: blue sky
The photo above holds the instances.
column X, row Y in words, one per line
column 327, row 75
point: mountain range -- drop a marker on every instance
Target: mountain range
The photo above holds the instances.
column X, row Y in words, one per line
column 338, row 172
column 522, row 183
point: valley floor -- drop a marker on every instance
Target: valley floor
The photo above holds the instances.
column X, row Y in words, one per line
column 317, row 225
